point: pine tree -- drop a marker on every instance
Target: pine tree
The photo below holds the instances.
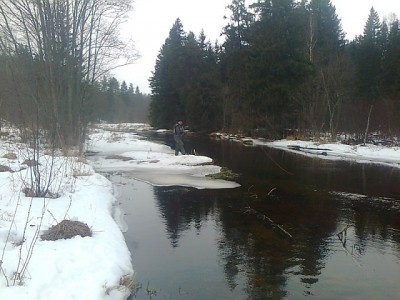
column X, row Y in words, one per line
column 184, row 83
column 234, row 59
column 324, row 92
column 325, row 33
column 367, row 54
column 278, row 63
column 131, row 89
column 389, row 119
column 372, row 27
column 166, row 105
column 201, row 87
column 124, row 92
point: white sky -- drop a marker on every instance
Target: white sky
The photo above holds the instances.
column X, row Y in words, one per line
column 151, row 21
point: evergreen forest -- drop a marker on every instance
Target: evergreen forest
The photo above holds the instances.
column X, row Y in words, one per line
column 284, row 68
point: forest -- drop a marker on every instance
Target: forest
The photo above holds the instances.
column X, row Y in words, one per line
column 56, row 64
column 284, row 68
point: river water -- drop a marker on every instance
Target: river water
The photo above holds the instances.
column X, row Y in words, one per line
column 297, row 227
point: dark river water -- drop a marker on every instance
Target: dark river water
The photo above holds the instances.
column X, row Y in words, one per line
column 298, row 227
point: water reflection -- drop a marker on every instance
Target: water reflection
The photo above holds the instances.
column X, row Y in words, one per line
column 205, row 245
column 183, row 209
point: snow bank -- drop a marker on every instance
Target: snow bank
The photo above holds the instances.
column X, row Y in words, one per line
column 77, row 268
column 152, row 162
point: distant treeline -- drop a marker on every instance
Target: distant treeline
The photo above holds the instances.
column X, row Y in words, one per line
column 284, row 65
column 54, row 56
column 119, row 103
column 107, row 100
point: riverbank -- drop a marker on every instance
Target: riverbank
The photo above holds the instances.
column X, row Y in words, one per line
column 97, row 266
column 377, row 153
column 119, row 148
column 361, row 153
column 199, row 243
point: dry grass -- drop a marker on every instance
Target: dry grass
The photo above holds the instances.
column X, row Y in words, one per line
column 128, row 281
column 31, row 192
column 126, row 284
column 225, row 174
column 5, row 168
column 115, row 137
column 30, row 162
column 10, row 155
column 120, row 157
column 66, row 229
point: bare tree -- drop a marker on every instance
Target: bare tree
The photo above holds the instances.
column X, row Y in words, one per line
column 70, row 44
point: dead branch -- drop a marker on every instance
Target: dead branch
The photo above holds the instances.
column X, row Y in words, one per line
column 342, row 236
column 278, row 165
column 271, row 191
column 251, row 211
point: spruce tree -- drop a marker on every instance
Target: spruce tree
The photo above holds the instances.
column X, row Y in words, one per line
column 166, row 105
column 185, row 82
column 234, row 59
column 278, row 63
column 367, row 55
column 391, row 61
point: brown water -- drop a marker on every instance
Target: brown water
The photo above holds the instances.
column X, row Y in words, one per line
column 281, row 235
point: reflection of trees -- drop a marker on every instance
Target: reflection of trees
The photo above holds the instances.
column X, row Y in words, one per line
column 265, row 255
column 251, row 249
column 183, row 208
column 373, row 218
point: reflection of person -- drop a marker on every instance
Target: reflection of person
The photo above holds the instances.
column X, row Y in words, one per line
column 178, row 132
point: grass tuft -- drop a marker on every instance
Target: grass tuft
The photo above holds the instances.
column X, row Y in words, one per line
column 66, row 229
column 225, row 174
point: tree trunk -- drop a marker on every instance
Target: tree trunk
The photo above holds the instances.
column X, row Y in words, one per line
column 367, row 127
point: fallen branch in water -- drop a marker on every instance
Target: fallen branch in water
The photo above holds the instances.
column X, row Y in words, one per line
column 342, row 236
column 278, row 165
column 256, row 196
column 251, row 211
column 271, row 191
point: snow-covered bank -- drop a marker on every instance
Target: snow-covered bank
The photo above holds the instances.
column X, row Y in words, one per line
column 77, row 268
column 368, row 153
column 92, row 267
column 155, row 163
column 151, row 162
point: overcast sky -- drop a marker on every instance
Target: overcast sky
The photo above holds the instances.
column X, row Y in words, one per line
column 151, row 21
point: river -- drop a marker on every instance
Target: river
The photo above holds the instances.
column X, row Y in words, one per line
column 297, row 227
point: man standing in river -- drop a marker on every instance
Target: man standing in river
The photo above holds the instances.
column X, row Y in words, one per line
column 178, row 133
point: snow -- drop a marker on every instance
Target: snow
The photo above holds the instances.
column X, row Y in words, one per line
column 336, row 151
column 151, row 162
column 94, row 267
column 81, row 267
column 77, row 268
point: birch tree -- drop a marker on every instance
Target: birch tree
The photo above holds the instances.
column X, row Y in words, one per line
column 70, row 44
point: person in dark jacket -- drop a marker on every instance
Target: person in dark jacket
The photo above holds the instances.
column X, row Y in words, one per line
column 178, row 133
